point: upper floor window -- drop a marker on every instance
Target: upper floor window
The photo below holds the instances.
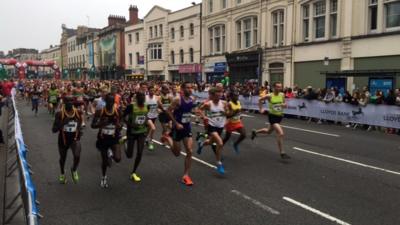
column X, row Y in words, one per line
column 217, row 39
column 278, row 24
column 155, row 31
column 181, row 56
column 172, row 57
column 319, row 19
column 306, row 22
column 392, row 11
column 238, row 1
column 182, row 31
column 223, row 4
column 191, row 29
column 155, row 51
column 161, row 30
column 137, row 58
column 210, row 6
column 247, row 32
column 151, row 32
column 172, row 33
column 130, row 59
column 373, row 15
column 191, row 55
column 333, row 18
column 130, row 38
column 137, row 37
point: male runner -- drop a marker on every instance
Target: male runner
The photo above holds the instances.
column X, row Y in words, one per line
column 68, row 123
column 52, row 99
column 180, row 112
column 214, row 110
column 234, row 120
column 136, row 117
column 108, row 121
column 276, row 104
column 151, row 102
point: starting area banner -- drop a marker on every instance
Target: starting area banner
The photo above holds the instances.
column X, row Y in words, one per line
column 374, row 115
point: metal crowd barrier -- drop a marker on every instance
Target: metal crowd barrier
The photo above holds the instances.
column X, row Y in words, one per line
column 25, row 198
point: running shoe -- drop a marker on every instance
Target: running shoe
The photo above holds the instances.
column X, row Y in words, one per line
column 200, row 145
column 253, row 134
column 187, row 180
column 62, row 179
column 103, row 182
column 151, row 146
column 221, row 169
column 135, row 177
column 75, row 176
column 110, row 157
column 236, row 148
column 285, row 156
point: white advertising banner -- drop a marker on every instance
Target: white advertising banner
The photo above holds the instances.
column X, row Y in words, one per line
column 376, row 115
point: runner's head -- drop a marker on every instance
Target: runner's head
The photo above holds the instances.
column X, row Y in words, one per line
column 68, row 102
column 215, row 94
column 140, row 98
column 234, row 95
column 186, row 89
column 110, row 100
column 164, row 89
column 53, row 86
column 151, row 90
column 277, row 87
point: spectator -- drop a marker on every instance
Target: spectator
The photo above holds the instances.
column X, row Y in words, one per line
column 289, row 93
column 391, row 98
column 398, row 97
column 310, row 94
column 363, row 101
column 329, row 96
column 338, row 96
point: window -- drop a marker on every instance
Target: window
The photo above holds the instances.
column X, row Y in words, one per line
column 333, row 19
column 306, row 22
column 191, row 29
column 373, row 14
column 155, row 31
column 137, row 37
column 210, row 6
column 151, row 32
column 130, row 59
column 191, row 55
column 172, row 33
column 181, row 56
column 182, row 31
column 319, row 19
column 172, row 57
column 278, row 20
column 161, row 30
column 137, row 58
column 130, row 38
column 392, row 10
column 217, row 38
column 246, row 30
column 155, row 51
column 223, row 4
column 238, row 1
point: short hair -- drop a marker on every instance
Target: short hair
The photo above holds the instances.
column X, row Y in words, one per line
column 276, row 83
column 184, row 84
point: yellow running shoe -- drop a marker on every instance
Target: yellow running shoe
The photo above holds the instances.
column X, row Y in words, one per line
column 62, row 179
column 135, row 177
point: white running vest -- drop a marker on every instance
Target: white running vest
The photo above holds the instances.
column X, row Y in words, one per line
column 216, row 115
column 152, row 104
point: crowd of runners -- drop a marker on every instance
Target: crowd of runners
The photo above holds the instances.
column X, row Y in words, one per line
column 126, row 114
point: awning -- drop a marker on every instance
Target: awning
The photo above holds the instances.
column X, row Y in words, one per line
column 362, row 73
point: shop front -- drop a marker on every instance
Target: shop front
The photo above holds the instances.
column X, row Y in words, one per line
column 173, row 71
column 215, row 71
column 189, row 73
column 156, row 76
column 135, row 75
column 245, row 66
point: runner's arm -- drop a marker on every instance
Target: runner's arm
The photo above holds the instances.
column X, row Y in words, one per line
column 175, row 103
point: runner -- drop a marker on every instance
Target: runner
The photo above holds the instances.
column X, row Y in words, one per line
column 135, row 117
column 276, row 102
column 53, row 99
column 234, row 120
column 152, row 103
column 214, row 110
column 35, row 97
column 108, row 121
column 68, row 123
column 164, row 102
column 180, row 113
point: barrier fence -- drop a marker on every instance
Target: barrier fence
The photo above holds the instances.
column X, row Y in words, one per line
column 373, row 115
column 17, row 163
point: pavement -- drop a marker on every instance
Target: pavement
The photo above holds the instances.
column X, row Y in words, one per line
column 336, row 176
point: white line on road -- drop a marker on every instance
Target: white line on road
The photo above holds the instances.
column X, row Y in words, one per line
column 184, row 154
column 255, row 202
column 347, row 161
column 310, row 131
column 245, row 115
column 326, row 216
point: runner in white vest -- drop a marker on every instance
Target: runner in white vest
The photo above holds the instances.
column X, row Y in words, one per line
column 152, row 103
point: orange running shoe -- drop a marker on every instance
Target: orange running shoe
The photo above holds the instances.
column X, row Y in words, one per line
column 187, row 180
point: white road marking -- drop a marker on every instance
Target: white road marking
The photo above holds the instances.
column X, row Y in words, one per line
column 203, row 126
column 255, row 202
column 245, row 115
column 310, row 131
column 316, row 211
column 347, row 161
column 184, row 154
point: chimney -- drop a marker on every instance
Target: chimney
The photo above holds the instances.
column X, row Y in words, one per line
column 133, row 14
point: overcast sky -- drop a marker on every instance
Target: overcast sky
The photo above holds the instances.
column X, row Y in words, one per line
column 37, row 23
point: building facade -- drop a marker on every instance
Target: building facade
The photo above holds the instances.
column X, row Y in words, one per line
column 166, row 45
column 66, row 33
column 53, row 53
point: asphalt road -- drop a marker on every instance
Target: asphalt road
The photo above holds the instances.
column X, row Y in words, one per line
column 336, row 176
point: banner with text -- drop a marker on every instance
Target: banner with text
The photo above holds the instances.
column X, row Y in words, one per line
column 376, row 115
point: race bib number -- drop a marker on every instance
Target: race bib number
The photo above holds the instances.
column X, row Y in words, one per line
column 186, row 117
column 218, row 119
column 236, row 117
column 153, row 109
column 35, row 97
column 166, row 106
column 108, row 130
column 71, row 127
column 277, row 108
column 140, row 120
column 53, row 98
